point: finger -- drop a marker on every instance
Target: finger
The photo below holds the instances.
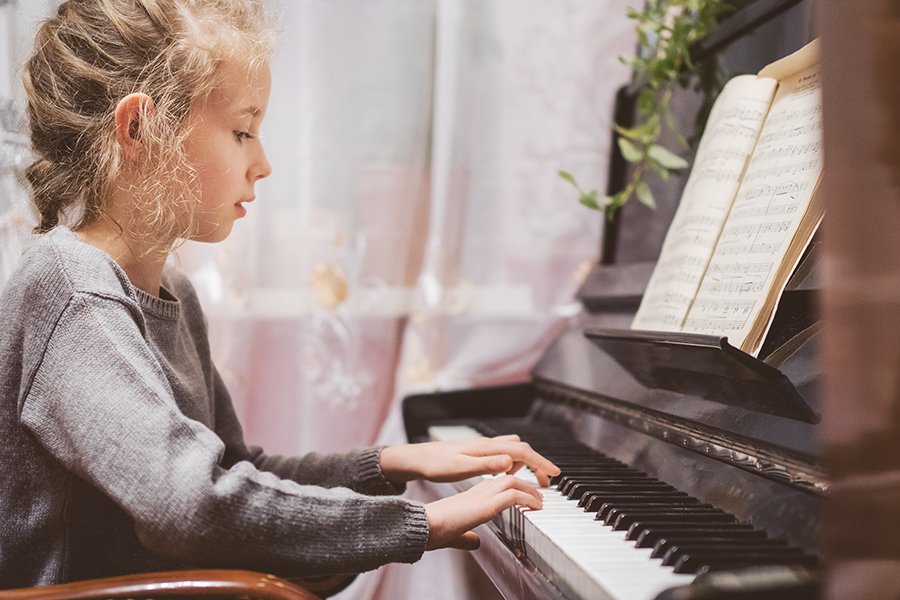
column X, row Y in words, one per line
column 500, row 463
column 543, row 479
column 524, row 486
column 539, row 464
column 509, row 437
column 512, row 489
column 482, row 465
column 515, row 497
column 491, row 487
column 516, row 466
column 520, row 452
column 511, row 481
column 467, row 541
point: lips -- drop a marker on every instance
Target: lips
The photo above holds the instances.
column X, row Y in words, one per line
column 239, row 206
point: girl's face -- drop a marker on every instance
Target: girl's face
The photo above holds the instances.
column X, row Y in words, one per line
column 224, row 150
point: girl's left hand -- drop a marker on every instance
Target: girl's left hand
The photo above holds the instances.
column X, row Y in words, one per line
column 461, row 459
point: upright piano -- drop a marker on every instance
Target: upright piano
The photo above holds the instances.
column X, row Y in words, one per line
column 689, row 469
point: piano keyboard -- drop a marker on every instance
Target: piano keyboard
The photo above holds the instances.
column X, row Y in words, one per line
column 608, row 531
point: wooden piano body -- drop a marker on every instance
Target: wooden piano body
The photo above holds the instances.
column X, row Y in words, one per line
column 732, row 431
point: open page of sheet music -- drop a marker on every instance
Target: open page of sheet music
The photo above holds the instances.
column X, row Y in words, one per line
column 730, row 136
column 770, row 223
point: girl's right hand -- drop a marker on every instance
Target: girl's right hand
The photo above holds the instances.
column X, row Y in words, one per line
column 451, row 519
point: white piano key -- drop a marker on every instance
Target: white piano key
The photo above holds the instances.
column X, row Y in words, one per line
column 593, row 560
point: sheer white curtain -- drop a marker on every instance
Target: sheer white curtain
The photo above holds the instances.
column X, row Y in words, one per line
column 17, row 26
column 523, row 88
column 415, row 145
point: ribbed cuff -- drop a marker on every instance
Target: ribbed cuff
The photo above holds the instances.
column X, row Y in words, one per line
column 416, row 533
column 371, row 478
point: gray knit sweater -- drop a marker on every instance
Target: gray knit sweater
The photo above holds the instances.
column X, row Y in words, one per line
column 120, row 451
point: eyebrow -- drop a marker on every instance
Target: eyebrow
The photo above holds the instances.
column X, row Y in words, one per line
column 248, row 110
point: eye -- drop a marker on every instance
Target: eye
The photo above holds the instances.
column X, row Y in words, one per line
column 243, row 135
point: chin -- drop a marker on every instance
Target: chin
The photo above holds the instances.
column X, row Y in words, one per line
column 218, row 234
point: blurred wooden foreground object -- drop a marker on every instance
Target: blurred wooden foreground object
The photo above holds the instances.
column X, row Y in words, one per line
column 861, row 54
column 245, row 585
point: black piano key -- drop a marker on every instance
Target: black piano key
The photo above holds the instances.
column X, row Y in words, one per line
column 649, row 537
column 566, row 483
column 568, row 465
column 578, row 488
column 612, row 516
column 603, row 472
column 705, row 562
column 593, row 502
column 576, row 491
column 624, row 522
column 661, row 503
column 665, row 545
column 638, row 527
column 732, row 552
column 605, row 508
column 593, row 460
column 567, row 477
column 567, row 474
column 627, row 476
column 600, row 473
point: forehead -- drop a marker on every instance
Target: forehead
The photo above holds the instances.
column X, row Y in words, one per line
column 242, row 86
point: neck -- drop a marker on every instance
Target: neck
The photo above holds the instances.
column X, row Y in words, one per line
column 142, row 265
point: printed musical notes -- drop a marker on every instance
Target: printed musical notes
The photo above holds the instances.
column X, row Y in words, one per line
column 792, row 168
column 738, row 279
column 747, row 211
column 765, row 220
column 753, row 238
column 734, row 124
column 782, row 199
column 721, row 317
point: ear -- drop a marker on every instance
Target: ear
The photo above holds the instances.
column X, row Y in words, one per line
column 129, row 113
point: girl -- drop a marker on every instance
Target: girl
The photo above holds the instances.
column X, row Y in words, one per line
column 119, row 447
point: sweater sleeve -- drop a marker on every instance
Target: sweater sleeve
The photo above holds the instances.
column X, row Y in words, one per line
column 120, row 429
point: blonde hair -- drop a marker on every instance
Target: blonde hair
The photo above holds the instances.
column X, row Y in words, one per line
column 92, row 54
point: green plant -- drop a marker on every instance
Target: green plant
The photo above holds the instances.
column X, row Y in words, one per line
column 666, row 29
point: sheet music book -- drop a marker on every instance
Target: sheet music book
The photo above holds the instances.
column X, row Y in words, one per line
column 748, row 211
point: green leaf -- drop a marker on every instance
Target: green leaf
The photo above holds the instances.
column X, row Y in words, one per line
column 630, row 152
column 568, row 177
column 590, row 200
column 666, row 158
column 646, row 101
column 614, row 202
column 673, row 127
column 657, row 168
column 643, row 40
column 628, row 132
column 644, row 194
column 646, row 133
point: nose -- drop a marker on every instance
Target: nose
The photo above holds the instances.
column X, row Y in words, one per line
column 260, row 169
